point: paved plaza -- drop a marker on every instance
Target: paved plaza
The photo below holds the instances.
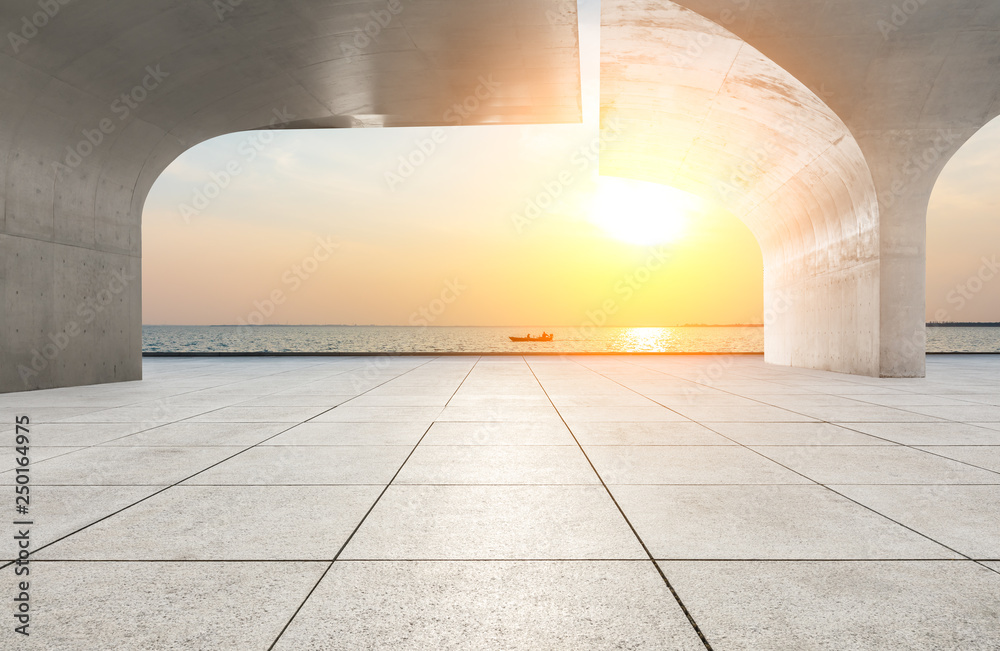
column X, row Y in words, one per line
column 464, row 502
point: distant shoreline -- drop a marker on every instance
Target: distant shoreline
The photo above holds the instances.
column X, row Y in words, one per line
column 948, row 324
column 372, row 325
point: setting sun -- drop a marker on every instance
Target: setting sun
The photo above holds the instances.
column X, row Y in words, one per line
column 641, row 213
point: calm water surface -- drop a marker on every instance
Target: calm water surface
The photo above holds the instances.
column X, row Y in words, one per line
column 390, row 339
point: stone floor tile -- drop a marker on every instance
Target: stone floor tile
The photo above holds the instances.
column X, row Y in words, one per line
column 306, row 465
column 492, row 605
column 765, row 522
column 494, row 522
column 497, row 464
column 687, row 465
column 777, row 606
column 265, row 523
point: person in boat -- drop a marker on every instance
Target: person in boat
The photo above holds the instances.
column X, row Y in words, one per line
column 544, row 334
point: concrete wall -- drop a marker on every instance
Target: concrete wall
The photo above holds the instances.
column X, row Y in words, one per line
column 703, row 111
column 96, row 99
column 896, row 87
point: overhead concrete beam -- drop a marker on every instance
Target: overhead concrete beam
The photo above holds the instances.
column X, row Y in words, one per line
column 96, row 99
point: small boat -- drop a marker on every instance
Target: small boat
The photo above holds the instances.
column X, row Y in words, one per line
column 544, row 337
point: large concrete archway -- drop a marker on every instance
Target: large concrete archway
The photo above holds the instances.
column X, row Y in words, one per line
column 96, row 101
column 858, row 104
column 703, row 111
column 878, row 96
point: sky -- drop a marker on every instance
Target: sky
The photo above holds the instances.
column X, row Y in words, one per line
column 319, row 227
column 963, row 233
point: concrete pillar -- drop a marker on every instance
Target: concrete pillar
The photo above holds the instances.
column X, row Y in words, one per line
column 905, row 165
column 96, row 99
column 706, row 112
column 908, row 85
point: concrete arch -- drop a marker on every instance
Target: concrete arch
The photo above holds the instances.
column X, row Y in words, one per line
column 97, row 100
column 702, row 110
column 908, row 85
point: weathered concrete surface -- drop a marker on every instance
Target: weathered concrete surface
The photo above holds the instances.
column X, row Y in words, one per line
column 96, row 100
column 874, row 96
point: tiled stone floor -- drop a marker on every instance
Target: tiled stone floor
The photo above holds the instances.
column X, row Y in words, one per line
column 512, row 503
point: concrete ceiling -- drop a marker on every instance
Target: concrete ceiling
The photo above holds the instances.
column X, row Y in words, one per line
column 97, row 97
column 880, row 64
column 378, row 62
column 232, row 65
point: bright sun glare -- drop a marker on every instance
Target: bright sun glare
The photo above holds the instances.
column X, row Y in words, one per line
column 641, row 213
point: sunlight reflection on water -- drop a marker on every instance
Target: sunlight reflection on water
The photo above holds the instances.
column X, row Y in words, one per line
column 392, row 339
column 386, row 339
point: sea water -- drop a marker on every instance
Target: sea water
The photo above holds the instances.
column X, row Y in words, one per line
column 434, row 339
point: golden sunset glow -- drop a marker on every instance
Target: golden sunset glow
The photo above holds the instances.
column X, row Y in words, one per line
column 531, row 230
column 641, row 213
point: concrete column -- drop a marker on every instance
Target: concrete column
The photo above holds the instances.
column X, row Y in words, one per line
column 69, row 240
column 905, row 166
column 909, row 84
column 706, row 112
column 96, row 99
column 72, row 315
